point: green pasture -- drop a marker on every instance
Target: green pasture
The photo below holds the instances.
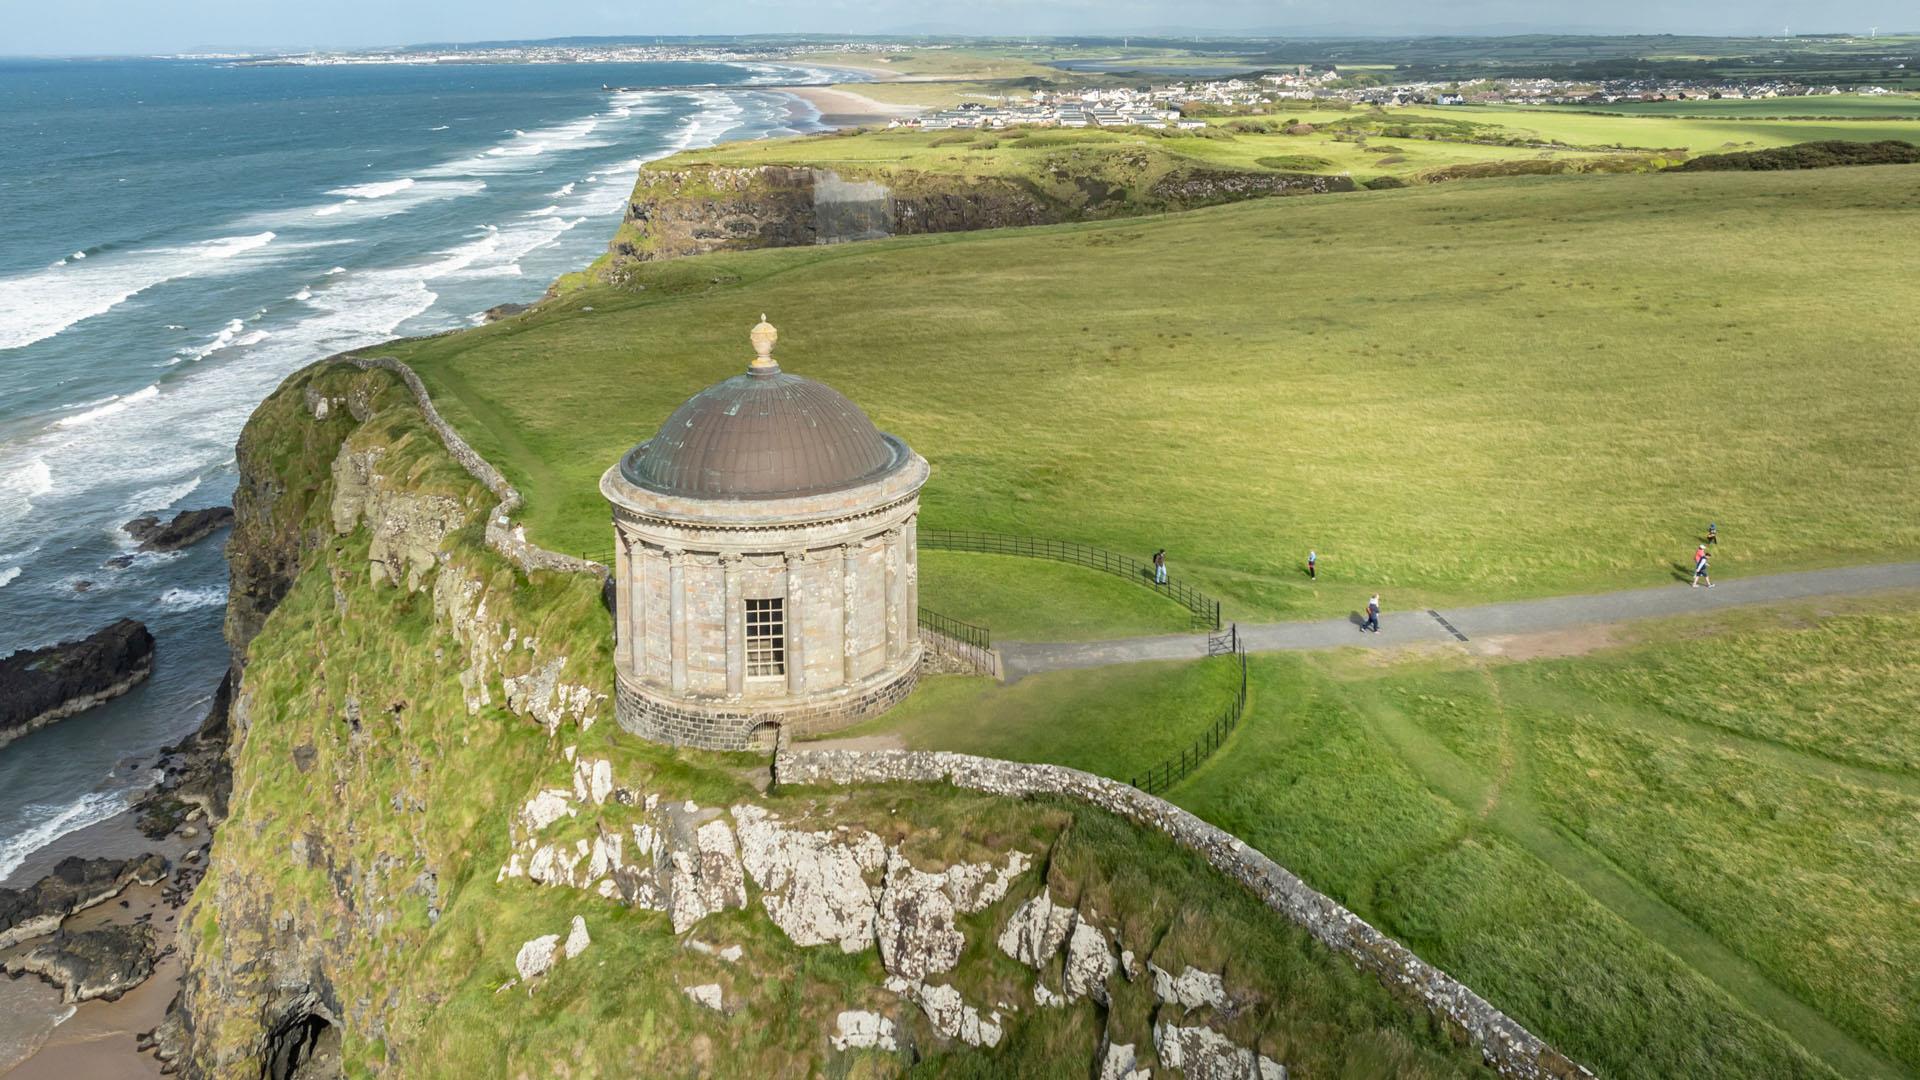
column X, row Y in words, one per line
column 1459, row 392
column 1879, row 107
column 1689, row 855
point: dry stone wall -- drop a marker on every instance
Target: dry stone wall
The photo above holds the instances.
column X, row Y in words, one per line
column 1508, row 1047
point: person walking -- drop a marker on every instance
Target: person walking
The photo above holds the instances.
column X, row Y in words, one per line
column 1313, row 565
column 1160, row 567
column 1372, row 625
column 1700, row 568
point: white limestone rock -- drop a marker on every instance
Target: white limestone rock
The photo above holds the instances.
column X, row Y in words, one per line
column 536, row 956
column 857, row 1030
column 1089, row 963
column 916, row 931
column 706, row 879
column 1202, row 1053
column 577, row 939
column 605, row 856
column 1193, row 989
column 1036, row 931
column 549, row 806
column 592, row 780
column 811, row 885
column 1118, row 1062
column 707, row 994
column 976, row 886
column 949, row 1014
column 1046, row 998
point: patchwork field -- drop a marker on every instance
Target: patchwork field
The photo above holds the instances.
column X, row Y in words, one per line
column 1685, row 854
column 1460, row 392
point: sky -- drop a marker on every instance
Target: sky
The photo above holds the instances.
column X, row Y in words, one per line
column 108, row 27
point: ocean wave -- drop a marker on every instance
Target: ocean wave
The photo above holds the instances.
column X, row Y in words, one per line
column 545, row 211
column 374, row 191
column 153, row 500
column 191, row 599
column 442, row 127
column 7, row 576
column 117, row 404
column 50, row 823
column 34, row 307
column 565, row 190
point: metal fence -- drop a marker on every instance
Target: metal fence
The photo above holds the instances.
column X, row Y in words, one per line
column 964, row 632
column 1175, row 769
column 1205, row 609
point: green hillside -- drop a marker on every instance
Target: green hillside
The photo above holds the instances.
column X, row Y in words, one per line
column 1513, row 388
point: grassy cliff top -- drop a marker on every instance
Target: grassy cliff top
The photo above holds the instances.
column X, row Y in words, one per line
column 1519, row 387
column 1316, row 138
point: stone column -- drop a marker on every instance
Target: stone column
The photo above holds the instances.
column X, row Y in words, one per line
column 896, row 588
column 622, row 602
column 736, row 627
column 636, row 615
column 677, row 616
column 910, row 552
column 796, row 636
column 849, row 608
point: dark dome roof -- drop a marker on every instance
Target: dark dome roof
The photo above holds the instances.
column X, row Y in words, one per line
column 763, row 435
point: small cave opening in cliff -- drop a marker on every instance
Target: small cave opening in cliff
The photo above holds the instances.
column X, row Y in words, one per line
column 305, row 1046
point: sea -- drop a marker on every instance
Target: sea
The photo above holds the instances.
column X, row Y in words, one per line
column 177, row 236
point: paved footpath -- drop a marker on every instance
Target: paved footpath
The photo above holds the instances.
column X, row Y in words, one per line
column 1513, row 617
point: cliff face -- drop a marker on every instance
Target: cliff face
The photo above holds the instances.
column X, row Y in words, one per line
column 443, row 858
column 705, row 208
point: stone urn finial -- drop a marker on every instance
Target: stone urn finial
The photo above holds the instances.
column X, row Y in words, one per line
column 763, row 337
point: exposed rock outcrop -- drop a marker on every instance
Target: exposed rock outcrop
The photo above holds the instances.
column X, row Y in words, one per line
column 1201, row 1053
column 40, row 686
column 101, row 963
column 188, row 527
column 698, row 209
column 75, row 885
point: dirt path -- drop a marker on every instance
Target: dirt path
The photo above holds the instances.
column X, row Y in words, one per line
column 1505, row 623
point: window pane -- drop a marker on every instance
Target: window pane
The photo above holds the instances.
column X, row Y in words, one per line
column 766, row 637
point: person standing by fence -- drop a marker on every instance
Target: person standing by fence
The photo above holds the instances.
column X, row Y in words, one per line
column 1160, row 567
column 1372, row 625
column 1313, row 565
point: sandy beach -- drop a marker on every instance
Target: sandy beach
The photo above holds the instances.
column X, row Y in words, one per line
column 844, row 108
column 43, row 1039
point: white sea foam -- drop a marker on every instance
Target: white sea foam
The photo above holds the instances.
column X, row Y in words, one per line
column 78, row 255
column 305, row 293
column 152, row 500
column 545, row 211
column 374, row 191
column 53, row 822
column 7, row 576
column 189, row 599
column 442, row 127
column 565, row 190
column 37, row 306
column 113, row 406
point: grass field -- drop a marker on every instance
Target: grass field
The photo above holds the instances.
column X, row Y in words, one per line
column 1458, row 392
column 1881, row 107
column 1690, row 855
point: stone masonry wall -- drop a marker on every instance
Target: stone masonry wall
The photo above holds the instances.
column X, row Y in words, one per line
column 735, row 727
column 503, row 535
column 1508, row 1047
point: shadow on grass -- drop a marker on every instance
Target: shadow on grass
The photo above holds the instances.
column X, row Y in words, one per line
column 1682, row 572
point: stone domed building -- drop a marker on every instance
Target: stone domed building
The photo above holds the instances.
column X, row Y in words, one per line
column 764, row 573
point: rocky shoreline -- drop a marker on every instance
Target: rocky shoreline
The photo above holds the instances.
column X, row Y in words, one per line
column 40, row 686
column 187, row 528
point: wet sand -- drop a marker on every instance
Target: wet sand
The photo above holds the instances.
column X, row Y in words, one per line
column 95, row 1039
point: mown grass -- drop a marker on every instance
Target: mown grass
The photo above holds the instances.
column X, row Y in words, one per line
column 1686, row 856
column 1462, row 392
column 1069, row 717
column 1034, row 600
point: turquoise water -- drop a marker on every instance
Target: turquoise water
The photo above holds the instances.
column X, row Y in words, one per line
column 177, row 237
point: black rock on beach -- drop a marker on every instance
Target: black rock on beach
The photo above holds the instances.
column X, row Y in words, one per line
column 39, row 686
column 188, row 527
column 74, row 885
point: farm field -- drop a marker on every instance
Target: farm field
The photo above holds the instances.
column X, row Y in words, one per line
column 1460, row 392
column 1676, row 849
